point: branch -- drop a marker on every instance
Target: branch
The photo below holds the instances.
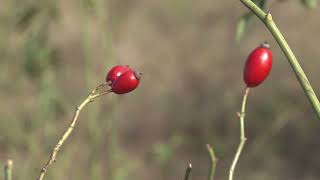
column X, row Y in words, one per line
column 188, row 171
column 213, row 162
column 243, row 138
column 93, row 95
column 8, row 170
column 277, row 35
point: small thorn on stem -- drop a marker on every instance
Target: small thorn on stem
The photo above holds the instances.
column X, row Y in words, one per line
column 269, row 16
column 238, row 114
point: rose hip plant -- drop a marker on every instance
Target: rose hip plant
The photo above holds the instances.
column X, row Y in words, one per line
column 259, row 64
column 256, row 70
column 120, row 80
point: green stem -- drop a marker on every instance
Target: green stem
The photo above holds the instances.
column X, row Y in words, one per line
column 8, row 170
column 266, row 18
column 243, row 138
column 213, row 162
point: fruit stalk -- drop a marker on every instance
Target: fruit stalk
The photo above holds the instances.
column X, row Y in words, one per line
column 93, row 95
column 266, row 18
column 213, row 162
column 243, row 137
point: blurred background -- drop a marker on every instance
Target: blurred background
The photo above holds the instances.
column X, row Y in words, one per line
column 52, row 53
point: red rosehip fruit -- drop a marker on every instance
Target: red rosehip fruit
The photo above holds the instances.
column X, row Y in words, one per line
column 126, row 82
column 258, row 65
column 116, row 72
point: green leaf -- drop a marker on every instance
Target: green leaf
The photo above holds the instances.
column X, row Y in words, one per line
column 242, row 25
column 244, row 20
column 311, row 4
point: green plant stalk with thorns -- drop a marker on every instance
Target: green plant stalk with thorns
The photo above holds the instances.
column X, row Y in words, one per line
column 266, row 18
column 97, row 92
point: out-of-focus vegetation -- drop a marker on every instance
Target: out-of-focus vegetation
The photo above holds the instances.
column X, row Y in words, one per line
column 54, row 52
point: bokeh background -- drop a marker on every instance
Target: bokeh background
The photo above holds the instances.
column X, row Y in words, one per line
column 52, row 53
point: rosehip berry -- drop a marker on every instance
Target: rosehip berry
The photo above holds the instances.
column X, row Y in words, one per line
column 258, row 65
column 126, row 82
column 115, row 72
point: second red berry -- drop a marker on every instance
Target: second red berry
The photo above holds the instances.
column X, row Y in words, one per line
column 258, row 65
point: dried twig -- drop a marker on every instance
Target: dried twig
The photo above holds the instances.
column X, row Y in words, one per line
column 97, row 92
column 188, row 171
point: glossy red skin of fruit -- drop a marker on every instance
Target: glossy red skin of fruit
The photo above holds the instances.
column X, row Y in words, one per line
column 258, row 66
column 127, row 82
column 116, row 72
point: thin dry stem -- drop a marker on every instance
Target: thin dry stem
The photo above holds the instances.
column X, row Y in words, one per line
column 93, row 95
column 188, row 171
column 243, row 138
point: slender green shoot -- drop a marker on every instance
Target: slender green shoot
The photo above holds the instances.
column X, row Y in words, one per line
column 213, row 162
column 243, row 137
column 8, row 170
